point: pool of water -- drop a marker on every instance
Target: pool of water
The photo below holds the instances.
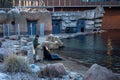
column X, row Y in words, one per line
column 103, row 49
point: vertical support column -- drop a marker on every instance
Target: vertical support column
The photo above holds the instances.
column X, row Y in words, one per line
column 69, row 2
column 18, row 29
column 8, row 29
column 25, row 3
column 41, row 29
column 22, row 3
column 31, row 28
column 64, row 2
column 59, row 3
column 36, row 3
column 3, row 30
column 19, row 2
column 47, row 3
column 52, row 2
column 53, row 9
column 13, row 2
column 30, row 3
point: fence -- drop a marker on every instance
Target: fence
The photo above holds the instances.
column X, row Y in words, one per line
column 9, row 30
column 81, row 3
column 58, row 3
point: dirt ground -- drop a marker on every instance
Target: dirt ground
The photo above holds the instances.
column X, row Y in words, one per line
column 69, row 64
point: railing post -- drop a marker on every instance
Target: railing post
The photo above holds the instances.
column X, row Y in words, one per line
column 59, row 3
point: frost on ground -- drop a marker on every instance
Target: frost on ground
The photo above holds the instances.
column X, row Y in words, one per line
column 7, row 48
column 34, row 76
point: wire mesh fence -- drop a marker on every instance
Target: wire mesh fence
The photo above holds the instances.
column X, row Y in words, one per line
column 7, row 30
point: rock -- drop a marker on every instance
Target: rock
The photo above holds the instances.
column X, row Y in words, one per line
column 1, row 57
column 3, row 76
column 50, row 45
column 53, row 38
column 53, row 70
column 13, row 37
column 23, row 42
column 75, row 76
column 0, row 43
column 4, row 53
column 97, row 72
column 52, row 42
column 24, row 48
column 22, row 53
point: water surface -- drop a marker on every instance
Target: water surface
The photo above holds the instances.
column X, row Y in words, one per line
column 103, row 49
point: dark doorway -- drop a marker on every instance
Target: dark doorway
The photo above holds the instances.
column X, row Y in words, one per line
column 31, row 27
column 80, row 25
column 56, row 26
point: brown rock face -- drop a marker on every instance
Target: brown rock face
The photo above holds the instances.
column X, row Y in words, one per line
column 3, row 17
column 97, row 72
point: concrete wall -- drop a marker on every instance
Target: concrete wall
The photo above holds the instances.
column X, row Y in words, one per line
column 40, row 17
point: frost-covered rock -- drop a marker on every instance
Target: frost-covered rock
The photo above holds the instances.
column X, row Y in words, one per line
column 75, row 76
column 53, row 70
column 5, row 52
column 97, row 72
column 3, row 76
column 1, row 57
column 24, row 48
column 23, row 41
column 50, row 45
column 15, row 10
column 52, row 42
column 13, row 37
column 1, row 11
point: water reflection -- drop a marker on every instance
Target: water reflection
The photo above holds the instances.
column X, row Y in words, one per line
column 109, row 46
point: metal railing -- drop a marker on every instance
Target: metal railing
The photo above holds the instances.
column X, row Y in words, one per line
column 79, row 3
column 59, row 3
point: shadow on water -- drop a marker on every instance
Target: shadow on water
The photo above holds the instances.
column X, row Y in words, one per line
column 103, row 49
